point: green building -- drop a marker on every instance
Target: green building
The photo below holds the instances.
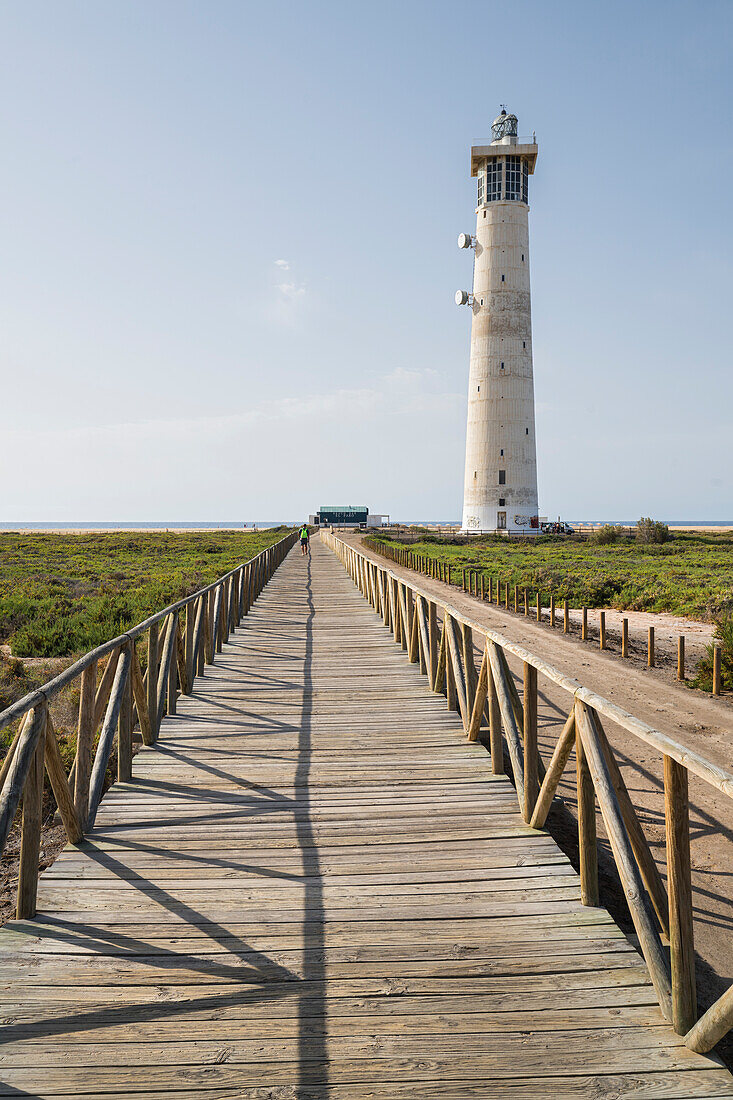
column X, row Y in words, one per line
column 351, row 515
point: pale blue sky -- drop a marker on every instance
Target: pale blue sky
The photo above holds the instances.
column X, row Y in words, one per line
column 228, row 253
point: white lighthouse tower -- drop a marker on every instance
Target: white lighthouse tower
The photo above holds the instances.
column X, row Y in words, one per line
column 500, row 489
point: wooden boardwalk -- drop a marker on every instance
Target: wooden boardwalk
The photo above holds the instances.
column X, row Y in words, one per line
column 315, row 888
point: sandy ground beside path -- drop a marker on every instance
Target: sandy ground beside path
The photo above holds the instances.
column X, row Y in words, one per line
column 690, row 717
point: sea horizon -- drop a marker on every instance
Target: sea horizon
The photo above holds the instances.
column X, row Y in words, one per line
column 240, row 525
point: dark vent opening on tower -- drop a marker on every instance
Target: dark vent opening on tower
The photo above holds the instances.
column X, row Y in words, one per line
column 502, row 477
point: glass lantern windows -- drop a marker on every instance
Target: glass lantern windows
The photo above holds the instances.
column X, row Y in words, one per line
column 512, row 172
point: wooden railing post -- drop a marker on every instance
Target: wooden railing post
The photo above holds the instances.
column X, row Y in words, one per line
column 216, row 622
column 84, row 740
column 679, row 888
column 124, row 731
column 650, row 648
column 584, row 627
column 433, row 632
column 172, row 696
column 469, row 665
column 681, row 657
column 152, row 686
column 587, row 840
column 496, row 742
column 187, row 683
column 453, row 661
column 602, row 629
column 30, row 837
column 624, row 637
column 531, row 773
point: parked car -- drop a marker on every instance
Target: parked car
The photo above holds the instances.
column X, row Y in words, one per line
column 557, row 528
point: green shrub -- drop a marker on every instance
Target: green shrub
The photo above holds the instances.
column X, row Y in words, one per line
column 652, row 530
column 606, row 534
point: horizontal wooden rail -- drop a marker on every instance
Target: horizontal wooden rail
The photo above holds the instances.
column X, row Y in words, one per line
column 123, row 696
column 491, row 698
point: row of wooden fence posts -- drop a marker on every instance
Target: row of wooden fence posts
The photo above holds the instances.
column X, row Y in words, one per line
column 491, row 697
column 123, row 698
column 474, row 584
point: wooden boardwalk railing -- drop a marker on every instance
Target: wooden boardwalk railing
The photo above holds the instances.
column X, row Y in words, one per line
column 492, row 697
column 314, row 887
column 194, row 630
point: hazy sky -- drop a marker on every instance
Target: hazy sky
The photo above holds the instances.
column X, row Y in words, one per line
column 228, row 253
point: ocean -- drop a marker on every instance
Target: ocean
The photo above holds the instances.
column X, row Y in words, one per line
column 142, row 525
column 239, row 525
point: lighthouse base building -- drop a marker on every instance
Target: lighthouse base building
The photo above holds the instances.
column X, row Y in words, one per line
column 500, row 486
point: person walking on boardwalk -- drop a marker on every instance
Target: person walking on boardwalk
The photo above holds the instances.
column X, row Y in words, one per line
column 304, row 547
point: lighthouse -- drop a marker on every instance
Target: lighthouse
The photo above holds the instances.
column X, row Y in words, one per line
column 500, row 486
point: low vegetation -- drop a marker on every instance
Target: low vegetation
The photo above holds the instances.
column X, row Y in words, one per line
column 65, row 594
column 689, row 575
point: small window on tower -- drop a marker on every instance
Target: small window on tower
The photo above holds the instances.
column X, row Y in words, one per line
column 522, row 257
column 501, row 452
column 502, row 366
column 524, row 343
column 502, row 477
column 479, row 389
column 502, row 278
column 502, row 502
column 526, row 431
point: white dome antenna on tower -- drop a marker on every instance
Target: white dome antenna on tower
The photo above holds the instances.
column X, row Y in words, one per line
column 465, row 240
column 463, row 298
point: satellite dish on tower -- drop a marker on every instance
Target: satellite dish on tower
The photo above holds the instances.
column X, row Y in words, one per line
column 462, row 297
column 465, row 240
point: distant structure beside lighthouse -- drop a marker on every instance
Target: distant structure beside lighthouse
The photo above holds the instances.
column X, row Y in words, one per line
column 500, row 488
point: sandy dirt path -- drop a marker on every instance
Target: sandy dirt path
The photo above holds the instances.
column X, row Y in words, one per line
column 691, row 717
